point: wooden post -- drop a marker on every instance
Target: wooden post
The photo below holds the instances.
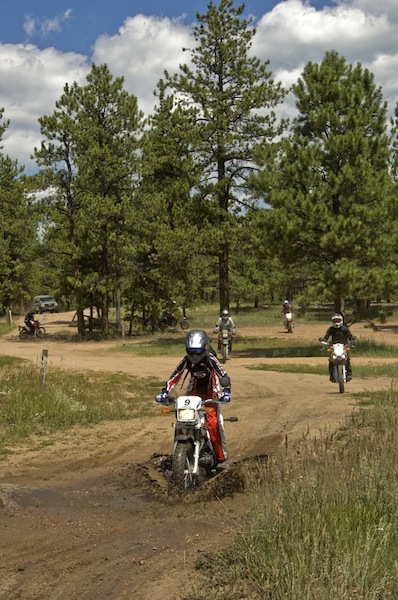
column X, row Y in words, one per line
column 123, row 335
column 43, row 370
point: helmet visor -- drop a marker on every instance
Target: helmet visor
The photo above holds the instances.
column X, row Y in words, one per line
column 194, row 350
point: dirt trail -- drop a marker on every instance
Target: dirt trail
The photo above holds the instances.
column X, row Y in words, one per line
column 89, row 517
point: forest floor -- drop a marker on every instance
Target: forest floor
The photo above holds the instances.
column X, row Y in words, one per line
column 86, row 515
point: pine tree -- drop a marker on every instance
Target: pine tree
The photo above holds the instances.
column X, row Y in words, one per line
column 329, row 186
column 91, row 155
column 233, row 95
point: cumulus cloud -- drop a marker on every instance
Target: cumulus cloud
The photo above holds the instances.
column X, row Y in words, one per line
column 294, row 33
column 141, row 50
column 32, row 80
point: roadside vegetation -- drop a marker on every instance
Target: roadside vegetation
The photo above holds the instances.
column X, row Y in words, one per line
column 323, row 519
column 28, row 412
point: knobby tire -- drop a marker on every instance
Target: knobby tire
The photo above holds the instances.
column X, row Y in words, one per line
column 182, row 467
column 340, row 378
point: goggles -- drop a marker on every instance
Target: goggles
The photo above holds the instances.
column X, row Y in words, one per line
column 195, row 350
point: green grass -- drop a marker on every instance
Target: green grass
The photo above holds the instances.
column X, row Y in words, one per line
column 255, row 347
column 67, row 400
column 323, row 522
column 362, row 371
column 5, row 329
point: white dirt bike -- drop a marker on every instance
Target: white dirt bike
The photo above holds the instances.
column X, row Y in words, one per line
column 225, row 337
column 288, row 322
column 194, row 458
column 225, row 343
column 338, row 358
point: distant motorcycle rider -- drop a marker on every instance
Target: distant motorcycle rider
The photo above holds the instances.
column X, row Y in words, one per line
column 29, row 320
column 224, row 322
column 208, row 379
column 286, row 308
column 339, row 333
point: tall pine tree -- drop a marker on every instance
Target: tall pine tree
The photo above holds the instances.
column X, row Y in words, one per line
column 329, row 186
column 233, row 95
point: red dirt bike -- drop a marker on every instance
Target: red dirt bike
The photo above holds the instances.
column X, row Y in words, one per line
column 25, row 332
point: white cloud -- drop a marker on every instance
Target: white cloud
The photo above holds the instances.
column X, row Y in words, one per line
column 31, row 81
column 294, row 33
column 46, row 26
column 142, row 49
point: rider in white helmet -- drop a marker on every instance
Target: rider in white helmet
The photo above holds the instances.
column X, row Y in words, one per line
column 338, row 332
column 224, row 322
column 286, row 308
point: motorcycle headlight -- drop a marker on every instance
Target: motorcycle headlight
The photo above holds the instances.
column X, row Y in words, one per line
column 186, row 414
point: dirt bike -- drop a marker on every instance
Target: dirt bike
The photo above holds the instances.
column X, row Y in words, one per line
column 338, row 359
column 194, row 457
column 169, row 320
column 288, row 322
column 25, row 332
column 224, row 343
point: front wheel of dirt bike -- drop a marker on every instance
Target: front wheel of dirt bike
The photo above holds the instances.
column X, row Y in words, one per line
column 182, row 468
column 41, row 332
column 23, row 334
column 184, row 324
column 289, row 327
column 224, row 353
column 340, row 378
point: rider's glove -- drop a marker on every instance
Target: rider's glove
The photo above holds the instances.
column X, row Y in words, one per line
column 225, row 396
column 161, row 398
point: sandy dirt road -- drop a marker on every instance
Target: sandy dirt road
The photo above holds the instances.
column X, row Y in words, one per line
column 87, row 518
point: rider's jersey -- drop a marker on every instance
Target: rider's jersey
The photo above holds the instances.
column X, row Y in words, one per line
column 339, row 336
column 204, row 376
column 225, row 323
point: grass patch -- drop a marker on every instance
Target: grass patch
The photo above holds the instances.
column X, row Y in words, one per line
column 362, row 371
column 323, row 519
column 158, row 347
column 67, row 400
column 8, row 361
column 255, row 347
column 5, row 329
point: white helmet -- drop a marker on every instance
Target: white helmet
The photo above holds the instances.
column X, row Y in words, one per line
column 286, row 303
column 337, row 320
column 225, row 314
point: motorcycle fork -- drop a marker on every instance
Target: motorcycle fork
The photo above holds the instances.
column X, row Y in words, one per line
column 336, row 371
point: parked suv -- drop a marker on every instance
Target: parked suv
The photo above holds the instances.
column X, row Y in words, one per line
column 45, row 304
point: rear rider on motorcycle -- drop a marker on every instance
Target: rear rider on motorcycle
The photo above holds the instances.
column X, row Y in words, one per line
column 29, row 320
column 224, row 322
column 339, row 333
column 207, row 377
column 286, row 308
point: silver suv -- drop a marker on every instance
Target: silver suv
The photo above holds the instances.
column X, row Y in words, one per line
column 43, row 304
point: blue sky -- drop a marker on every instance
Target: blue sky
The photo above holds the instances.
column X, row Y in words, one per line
column 45, row 44
column 73, row 26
